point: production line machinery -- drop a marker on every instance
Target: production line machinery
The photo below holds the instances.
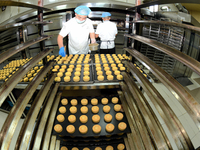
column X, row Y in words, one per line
column 94, row 101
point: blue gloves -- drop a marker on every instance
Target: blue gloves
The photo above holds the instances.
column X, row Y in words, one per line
column 62, row 52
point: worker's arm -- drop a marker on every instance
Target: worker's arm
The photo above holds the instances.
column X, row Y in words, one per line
column 92, row 37
column 60, row 41
column 96, row 35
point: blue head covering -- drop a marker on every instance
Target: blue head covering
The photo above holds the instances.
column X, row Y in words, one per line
column 82, row 10
column 105, row 14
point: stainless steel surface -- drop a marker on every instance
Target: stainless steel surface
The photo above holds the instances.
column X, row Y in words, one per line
column 148, row 144
column 7, row 86
column 185, row 59
column 28, row 125
column 8, row 26
column 136, row 140
column 57, row 145
column 13, row 118
column 182, row 95
column 159, row 2
column 181, row 25
column 10, row 52
column 40, row 132
column 20, row 4
column 151, row 122
column 172, row 122
column 47, row 135
column 52, row 143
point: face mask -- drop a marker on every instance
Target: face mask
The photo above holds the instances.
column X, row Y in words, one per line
column 79, row 22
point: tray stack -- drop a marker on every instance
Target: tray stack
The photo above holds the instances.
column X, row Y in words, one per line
column 91, row 139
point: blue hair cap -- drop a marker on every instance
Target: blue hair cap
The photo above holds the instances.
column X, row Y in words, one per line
column 105, row 14
column 82, row 10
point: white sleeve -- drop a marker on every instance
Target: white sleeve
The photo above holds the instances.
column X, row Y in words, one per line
column 97, row 30
column 115, row 30
column 65, row 29
column 91, row 29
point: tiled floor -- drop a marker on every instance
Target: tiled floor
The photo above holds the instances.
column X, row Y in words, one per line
column 188, row 124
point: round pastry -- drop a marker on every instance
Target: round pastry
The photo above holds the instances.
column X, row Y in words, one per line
column 77, row 73
column 117, row 72
column 54, row 70
column 78, row 66
column 79, row 61
column 104, row 101
column 97, row 61
column 73, row 109
column 98, row 148
column 114, row 68
column 60, row 118
column 83, row 129
column 122, row 68
column 61, row 70
column 58, row 128
column 98, row 68
column 62, row 109
column 106, row 68
column 63, row 148
column 57, row 79
column 108, row 73
column 83, row 118
column 70, row 129
column 86, row 68
column 100, row 78
column 95, row 109
column 59, row 74
column 78, row 69
column 98, row 65
column 99, row 73
column 120, row 65
column 110, row 77
column 86, row 78
column 86, row 65
column 86, row 73
column 69, row 69
column 108, row 118
column 120, row 146
column 71, row 66
column 75, row 148
column 113, row 65
column 115, row 100
column 106, row 109
column 110, row 127
column 86, row 148
column 84, row 101
column 117, row 107
column 64, row 66
column 122, row 126
column 96, row 129
column 94, row 101
column 72, row 118
column 119, row 116
column 74, row 102
column 84, row 109
column 96, row 118
column 109, row 147
column 67, row 78
column 56, row 66
column 119, row 77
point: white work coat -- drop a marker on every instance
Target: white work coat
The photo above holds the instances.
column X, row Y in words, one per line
column 107, row 31
column 78, row 35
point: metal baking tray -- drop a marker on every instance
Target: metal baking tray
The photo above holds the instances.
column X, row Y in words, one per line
column 90, row 124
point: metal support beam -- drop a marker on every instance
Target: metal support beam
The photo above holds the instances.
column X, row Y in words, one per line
column 180, row 93
column 12, row 51
column 175, row 127
column 13, row 118
column 176, row 54
column 53, row 143
column 8, row 86
column 28, row 125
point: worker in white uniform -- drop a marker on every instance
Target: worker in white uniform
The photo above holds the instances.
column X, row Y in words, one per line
column 107, row 32
column 79, row 29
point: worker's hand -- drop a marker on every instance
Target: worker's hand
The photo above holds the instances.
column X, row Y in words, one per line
column 93, row 41
column 62, row 52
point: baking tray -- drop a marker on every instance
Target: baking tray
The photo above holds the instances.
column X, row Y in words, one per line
column 93, row 59
column 81, row 76
column 104, row 74
column 92, row 145
column 90, row 124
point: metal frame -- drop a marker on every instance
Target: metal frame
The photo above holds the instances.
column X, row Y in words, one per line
column 175, row 127
column 13, row 118
column 185, row 59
